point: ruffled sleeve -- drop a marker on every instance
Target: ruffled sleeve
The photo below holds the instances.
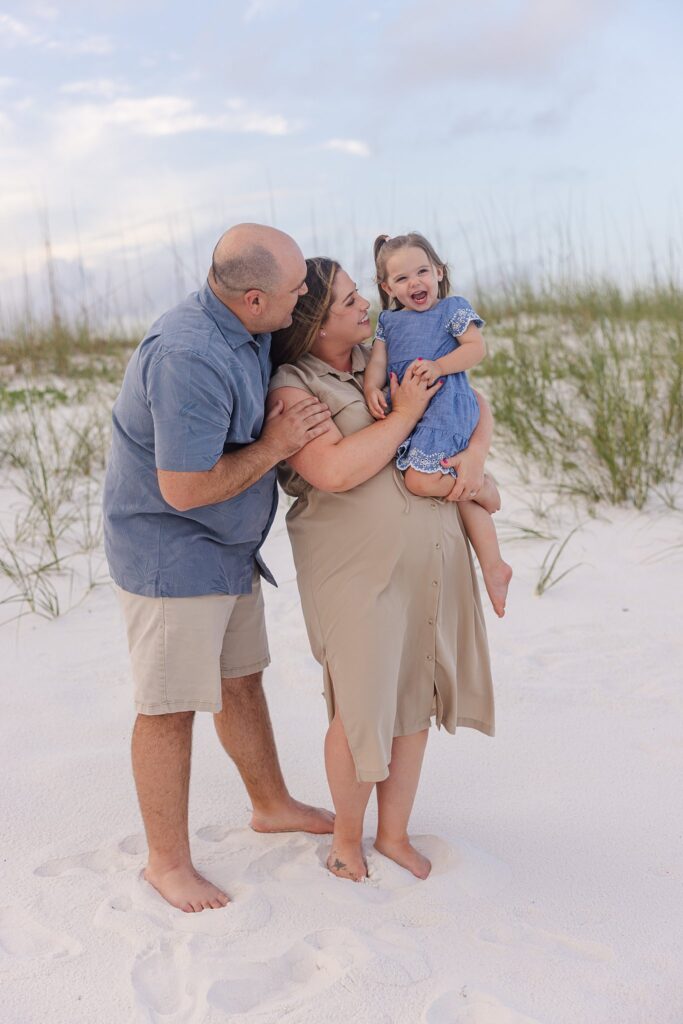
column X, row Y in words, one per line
column 459, row 315
column 380, row 331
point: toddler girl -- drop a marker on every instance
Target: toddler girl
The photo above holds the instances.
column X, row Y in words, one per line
column 423, row 330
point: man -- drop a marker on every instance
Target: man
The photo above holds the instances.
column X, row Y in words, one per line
column 189, row 497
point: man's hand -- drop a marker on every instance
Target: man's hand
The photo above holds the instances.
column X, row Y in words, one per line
column 285, row 433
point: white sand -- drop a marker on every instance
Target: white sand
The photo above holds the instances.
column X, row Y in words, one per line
column 556, row 893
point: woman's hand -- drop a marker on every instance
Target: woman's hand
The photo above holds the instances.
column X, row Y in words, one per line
column 411, row 397
column 469, row 465
column 377, row 403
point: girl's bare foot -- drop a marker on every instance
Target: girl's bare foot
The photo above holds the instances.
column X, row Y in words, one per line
column 184, row 888
column 293, row 816
column 346, row 860
column 401, row 851
column 497, row 579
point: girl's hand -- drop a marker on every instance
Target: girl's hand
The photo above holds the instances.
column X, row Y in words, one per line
column 469, row 465
column 377, row 403
column 411, row 397
column 427, row 369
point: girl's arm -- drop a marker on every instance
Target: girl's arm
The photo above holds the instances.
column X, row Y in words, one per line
column 375, row 379
column 470, row 351
column 336, row 463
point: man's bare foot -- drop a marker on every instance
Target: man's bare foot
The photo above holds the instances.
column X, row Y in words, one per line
column 346, row 861
column 293, row 816
column 185, row 889
column 497, row 579
column 401, row 851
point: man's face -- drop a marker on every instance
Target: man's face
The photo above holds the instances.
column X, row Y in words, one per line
column 278, row 305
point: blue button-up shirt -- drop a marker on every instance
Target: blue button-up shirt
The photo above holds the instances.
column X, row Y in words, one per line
column 195, row 388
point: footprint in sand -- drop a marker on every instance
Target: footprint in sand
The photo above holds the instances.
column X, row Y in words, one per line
column 472, row 1008
column 550, row 942
column 307, row 969
column 107, row 861
column 162, row 982
column 474, row 870
column 23, row 937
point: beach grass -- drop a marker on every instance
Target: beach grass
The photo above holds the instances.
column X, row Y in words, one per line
column 585, row 383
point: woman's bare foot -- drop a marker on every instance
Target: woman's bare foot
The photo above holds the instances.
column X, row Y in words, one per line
column 497, row 579
column 293, row 816
column 346, row 860
column 185, row 889
column 401, row 851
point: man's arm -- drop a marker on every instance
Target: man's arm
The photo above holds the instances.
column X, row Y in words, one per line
column 284, row 433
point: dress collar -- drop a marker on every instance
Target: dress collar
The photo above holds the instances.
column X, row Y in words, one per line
column 359, row 361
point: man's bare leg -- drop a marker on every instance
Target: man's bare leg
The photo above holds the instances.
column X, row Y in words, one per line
column 245, row 731
column 395, row 798
column 161, row 749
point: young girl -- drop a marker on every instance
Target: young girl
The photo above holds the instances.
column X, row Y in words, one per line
column 423, row 331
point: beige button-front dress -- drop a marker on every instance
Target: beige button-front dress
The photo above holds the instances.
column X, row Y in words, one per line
column 388, row 592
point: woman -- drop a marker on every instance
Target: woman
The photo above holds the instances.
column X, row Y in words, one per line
column 386, row 580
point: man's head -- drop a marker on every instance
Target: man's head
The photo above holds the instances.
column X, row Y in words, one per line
column 258, row 273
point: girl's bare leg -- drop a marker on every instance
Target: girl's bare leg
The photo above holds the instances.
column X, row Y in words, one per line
column 395, row 797
column 350, row 799
column 428, row 485
column 482, row 533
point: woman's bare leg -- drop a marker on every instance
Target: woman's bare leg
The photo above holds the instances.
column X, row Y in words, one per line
column 482, row 533
column 395, row 798
column 350, row 799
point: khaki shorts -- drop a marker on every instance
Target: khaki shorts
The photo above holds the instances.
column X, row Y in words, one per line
column 181, row 647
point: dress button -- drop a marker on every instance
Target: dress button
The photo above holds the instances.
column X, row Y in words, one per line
column 433, row 504
column 429, row 657
column 430, row 622
column 438, row 545
column 435, row 583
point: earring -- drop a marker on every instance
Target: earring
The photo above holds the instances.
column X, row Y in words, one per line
column 322, row 334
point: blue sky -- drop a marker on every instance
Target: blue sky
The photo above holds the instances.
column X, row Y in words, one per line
column 517, row 135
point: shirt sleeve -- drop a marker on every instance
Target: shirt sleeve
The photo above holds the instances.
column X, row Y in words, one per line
column 191, row 405
column 459, row 316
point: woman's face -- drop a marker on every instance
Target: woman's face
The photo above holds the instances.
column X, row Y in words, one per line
column 347, row 322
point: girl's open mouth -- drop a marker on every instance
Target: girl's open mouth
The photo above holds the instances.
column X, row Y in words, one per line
column 419, row 296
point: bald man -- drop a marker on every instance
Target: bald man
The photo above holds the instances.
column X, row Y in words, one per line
column 189, row 497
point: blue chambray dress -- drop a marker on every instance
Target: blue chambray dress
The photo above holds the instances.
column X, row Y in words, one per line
column 453, row 413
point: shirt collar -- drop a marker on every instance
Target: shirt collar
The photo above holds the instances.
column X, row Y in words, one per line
column 359, row 361
column 230, row 326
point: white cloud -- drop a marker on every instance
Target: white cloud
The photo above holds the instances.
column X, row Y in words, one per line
column 104, row 87
column 17, row 33
column 354, row 147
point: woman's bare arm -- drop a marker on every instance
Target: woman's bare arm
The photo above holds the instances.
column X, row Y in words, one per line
column 335, row 463
column 469, row 463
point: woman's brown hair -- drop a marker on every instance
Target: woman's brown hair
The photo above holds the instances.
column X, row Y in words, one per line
column 384, row 247
column 308, row 315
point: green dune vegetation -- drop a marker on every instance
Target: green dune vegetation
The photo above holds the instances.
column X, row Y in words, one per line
column 586, row 386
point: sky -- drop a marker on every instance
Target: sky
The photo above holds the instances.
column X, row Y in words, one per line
column 523, row 137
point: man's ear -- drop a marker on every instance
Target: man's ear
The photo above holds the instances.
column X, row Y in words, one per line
column 253, row 300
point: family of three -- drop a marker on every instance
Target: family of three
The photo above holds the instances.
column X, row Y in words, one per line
column 264, row 372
